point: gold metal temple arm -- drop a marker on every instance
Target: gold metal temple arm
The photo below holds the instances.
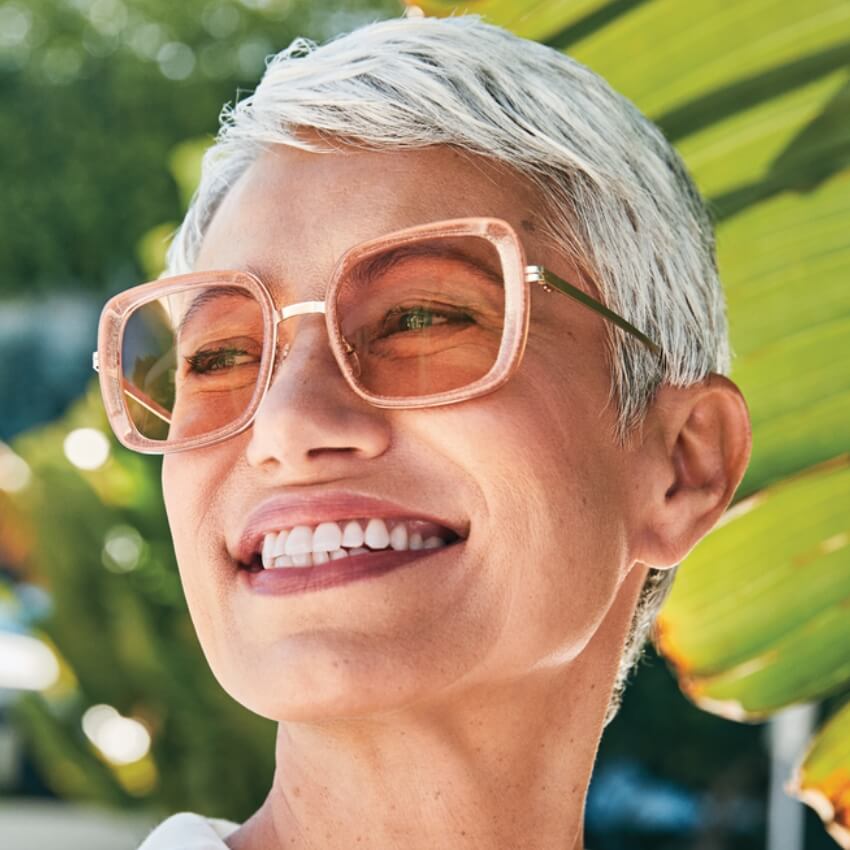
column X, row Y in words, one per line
column 136, row 394
column 548, row 279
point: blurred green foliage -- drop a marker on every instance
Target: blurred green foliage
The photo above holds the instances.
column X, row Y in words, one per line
column 95, row 96
column 121, row 627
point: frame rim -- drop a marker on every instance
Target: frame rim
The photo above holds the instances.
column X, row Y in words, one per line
column 111, row 328
column 514, row 331
column 498, row 232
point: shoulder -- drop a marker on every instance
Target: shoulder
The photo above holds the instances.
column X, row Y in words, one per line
column 189, row 831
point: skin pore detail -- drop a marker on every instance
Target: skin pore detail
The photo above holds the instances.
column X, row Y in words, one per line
column 459, row 701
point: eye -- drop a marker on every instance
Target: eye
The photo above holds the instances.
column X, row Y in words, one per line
column 215, row 359
column 402, row 319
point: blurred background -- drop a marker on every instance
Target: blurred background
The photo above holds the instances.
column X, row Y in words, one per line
column 109, row 717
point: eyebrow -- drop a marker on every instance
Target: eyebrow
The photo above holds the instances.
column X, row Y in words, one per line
column 386, row 260
column 364, row 271
column 205, row 297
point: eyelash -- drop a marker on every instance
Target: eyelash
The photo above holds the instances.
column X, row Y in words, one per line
column 398, row 312
column 210, row 360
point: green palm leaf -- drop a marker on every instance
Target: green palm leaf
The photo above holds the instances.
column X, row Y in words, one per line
column 823, row 779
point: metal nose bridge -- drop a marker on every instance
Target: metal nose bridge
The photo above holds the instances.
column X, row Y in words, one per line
column 302, row 308
column 299, row 309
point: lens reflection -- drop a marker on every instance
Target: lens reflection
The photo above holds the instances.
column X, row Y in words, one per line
column 423, row 317
column 190, row 360
column 418, row 318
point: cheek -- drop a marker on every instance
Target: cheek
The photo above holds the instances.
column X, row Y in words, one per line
column 194, row 483
column 193, row 486
column 583, row 475
column 551, row 484
column 183, row 492
column 177, row 495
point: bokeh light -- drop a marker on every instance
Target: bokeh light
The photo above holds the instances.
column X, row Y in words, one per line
column 122, row 740
column 86, row 448
column 176, row 60
column 122, row 548
column 15, row 473
column 15, row 24
column 26, row 664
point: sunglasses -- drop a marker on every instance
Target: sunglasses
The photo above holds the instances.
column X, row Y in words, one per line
column 426, row 316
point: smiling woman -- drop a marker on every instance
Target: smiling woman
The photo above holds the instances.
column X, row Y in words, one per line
column 412, row 527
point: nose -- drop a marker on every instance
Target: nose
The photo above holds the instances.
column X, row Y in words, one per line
column 311, row 424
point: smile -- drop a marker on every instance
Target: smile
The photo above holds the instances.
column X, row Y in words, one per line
column 357, row 563
column 307, row 546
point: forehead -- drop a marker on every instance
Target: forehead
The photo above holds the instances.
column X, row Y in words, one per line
column 293, row 213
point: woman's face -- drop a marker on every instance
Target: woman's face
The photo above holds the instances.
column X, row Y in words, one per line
column 529, row 471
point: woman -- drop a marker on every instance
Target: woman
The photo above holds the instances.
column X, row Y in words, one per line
column 381, row 328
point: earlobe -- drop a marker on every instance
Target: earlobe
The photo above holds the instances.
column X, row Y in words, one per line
column 697, row 455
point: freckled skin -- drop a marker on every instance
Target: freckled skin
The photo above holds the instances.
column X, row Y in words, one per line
column 392, row 691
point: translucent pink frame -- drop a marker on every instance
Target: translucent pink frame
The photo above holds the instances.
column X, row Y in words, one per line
column 107, row 359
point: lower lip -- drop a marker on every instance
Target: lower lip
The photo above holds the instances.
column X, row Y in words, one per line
column 288, row 580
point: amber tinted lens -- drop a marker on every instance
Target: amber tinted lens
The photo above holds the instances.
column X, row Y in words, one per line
column 190, row 360
column 423, row 317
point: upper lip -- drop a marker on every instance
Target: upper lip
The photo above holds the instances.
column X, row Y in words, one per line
column 287, row 511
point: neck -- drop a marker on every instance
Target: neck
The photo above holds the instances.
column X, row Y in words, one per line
column 497, row 767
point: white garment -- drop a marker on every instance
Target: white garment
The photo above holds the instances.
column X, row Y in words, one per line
column 189, row 831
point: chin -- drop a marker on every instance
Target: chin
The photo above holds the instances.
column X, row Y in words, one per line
column 323, row 685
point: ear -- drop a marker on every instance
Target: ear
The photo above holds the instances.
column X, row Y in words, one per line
column 695, row 449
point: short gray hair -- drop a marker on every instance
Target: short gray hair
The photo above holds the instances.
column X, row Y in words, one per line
column 618, row 199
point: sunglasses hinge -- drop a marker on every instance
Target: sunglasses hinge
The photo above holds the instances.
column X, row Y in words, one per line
column 537, row 274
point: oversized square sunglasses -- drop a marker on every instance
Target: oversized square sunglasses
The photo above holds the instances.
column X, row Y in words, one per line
column 430, row 315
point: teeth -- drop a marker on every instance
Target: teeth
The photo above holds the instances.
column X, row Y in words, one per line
column 300, row 540
column 279, row 547
column 304, row 546
column 305, row 560
column 327, row 537
column 268, row 546
column 377, row 536
column 352, row 535
column 398, row 537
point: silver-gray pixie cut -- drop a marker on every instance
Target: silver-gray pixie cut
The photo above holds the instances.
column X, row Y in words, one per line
column 618, row 201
